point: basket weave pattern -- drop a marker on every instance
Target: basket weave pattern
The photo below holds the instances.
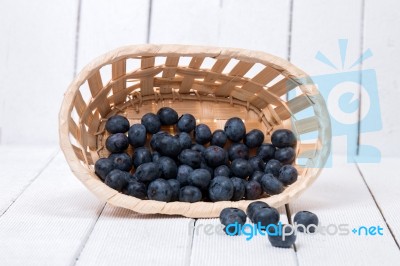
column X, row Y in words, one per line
column 211, row 83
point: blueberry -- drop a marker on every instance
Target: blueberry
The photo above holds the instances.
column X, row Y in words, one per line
column 238, row 150
column 253, row 190
column 288, row 174
column 271, row 184
column 205, row 166
column 159, row 190
column 241, row 168
column 147, row 172
column 227, row 213
column 117, row 142
column 168, row 116
column 202, row 134
column 155, row 156
column 257, row 163
column 266, row 216
column 221, row 188
column 239, row 188
column 176, row 186
column 169, row 146
column 256, row 176
column 117, row 124
column 282, row 138
column 198, row 147
column 103, row 166
column 307, row 219
column 137, row 135
column 231, row 218
column 186, row 123
column 278, row 241
column 156, row 138
column 167, row 167
column 199, row 178
column 254, row 138
column 136, row 189
column 235, row 129
column 183, row 174
column 219, row 138
column 191, row 158
column 273, row 167
column 254, row 207
column 215, row 156
column 222, row 170
column 190, row 194
column 184, row 140
column 141, row 155
column 151, row 122
column 266, row 151
column 116, row 179
column 122, row 161
column 285, row 155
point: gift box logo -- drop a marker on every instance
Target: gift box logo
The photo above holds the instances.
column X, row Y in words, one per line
column 341, row 91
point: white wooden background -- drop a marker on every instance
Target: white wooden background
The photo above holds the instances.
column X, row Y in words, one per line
column 48, row 218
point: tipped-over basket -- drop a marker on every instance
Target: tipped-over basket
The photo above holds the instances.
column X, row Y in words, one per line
column 211, row 83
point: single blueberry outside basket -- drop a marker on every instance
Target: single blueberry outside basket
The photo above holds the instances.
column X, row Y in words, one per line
column 211, row 83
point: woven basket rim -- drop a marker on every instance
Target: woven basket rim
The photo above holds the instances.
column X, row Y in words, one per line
column 181, row 208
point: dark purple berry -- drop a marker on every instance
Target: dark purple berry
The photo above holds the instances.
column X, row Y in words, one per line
column 191, row 158
column 235, row 129
column 220, row 189
column 254, row 138
column 239, row 188
column 222, row 170
column 215, row 156
column 190, row 194
column 137, row 135
column 147, row 172
column 183, row 174
column 117, row 142
column 151, row 122
column 168, row 116
column 282, row 138
column 288, row 174
column 103, row 166
column 253, row 190
column 186, row 123
column 238, row 150
column 241, row 168
column 159, row 190
column 266, row 151
column 122, row 161
column 116, row 179
column 202, row 134
column 167, row 167
column 219, row 138
column 273, row 167
column 141, row 155
column 199, row 178
column 285, row 155
column 117, row 124
column 271, row 184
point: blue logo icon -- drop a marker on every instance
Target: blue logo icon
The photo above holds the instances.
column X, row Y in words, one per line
column 345, row 92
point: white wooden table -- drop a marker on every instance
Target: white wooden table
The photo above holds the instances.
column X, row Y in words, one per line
column 47, row 217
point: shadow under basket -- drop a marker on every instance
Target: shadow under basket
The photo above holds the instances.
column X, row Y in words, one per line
column 214, row 84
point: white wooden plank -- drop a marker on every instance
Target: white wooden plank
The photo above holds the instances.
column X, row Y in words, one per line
column 339, row 196
column 20, row 165
column 106, row 25
column 37, row 57
column 122, row 237
column 317, row 27
column 220, row 249
column 384, row 45
column 384, row 184
column 185, row 22
column 255, row 24
column 48, row 223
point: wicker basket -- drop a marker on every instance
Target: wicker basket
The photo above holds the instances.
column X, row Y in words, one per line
column 211, row 83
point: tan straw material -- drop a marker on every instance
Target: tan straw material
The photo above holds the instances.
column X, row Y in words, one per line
column 211, row 83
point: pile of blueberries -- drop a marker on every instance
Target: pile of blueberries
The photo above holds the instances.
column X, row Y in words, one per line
column 195, row 164
column 261, row 214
